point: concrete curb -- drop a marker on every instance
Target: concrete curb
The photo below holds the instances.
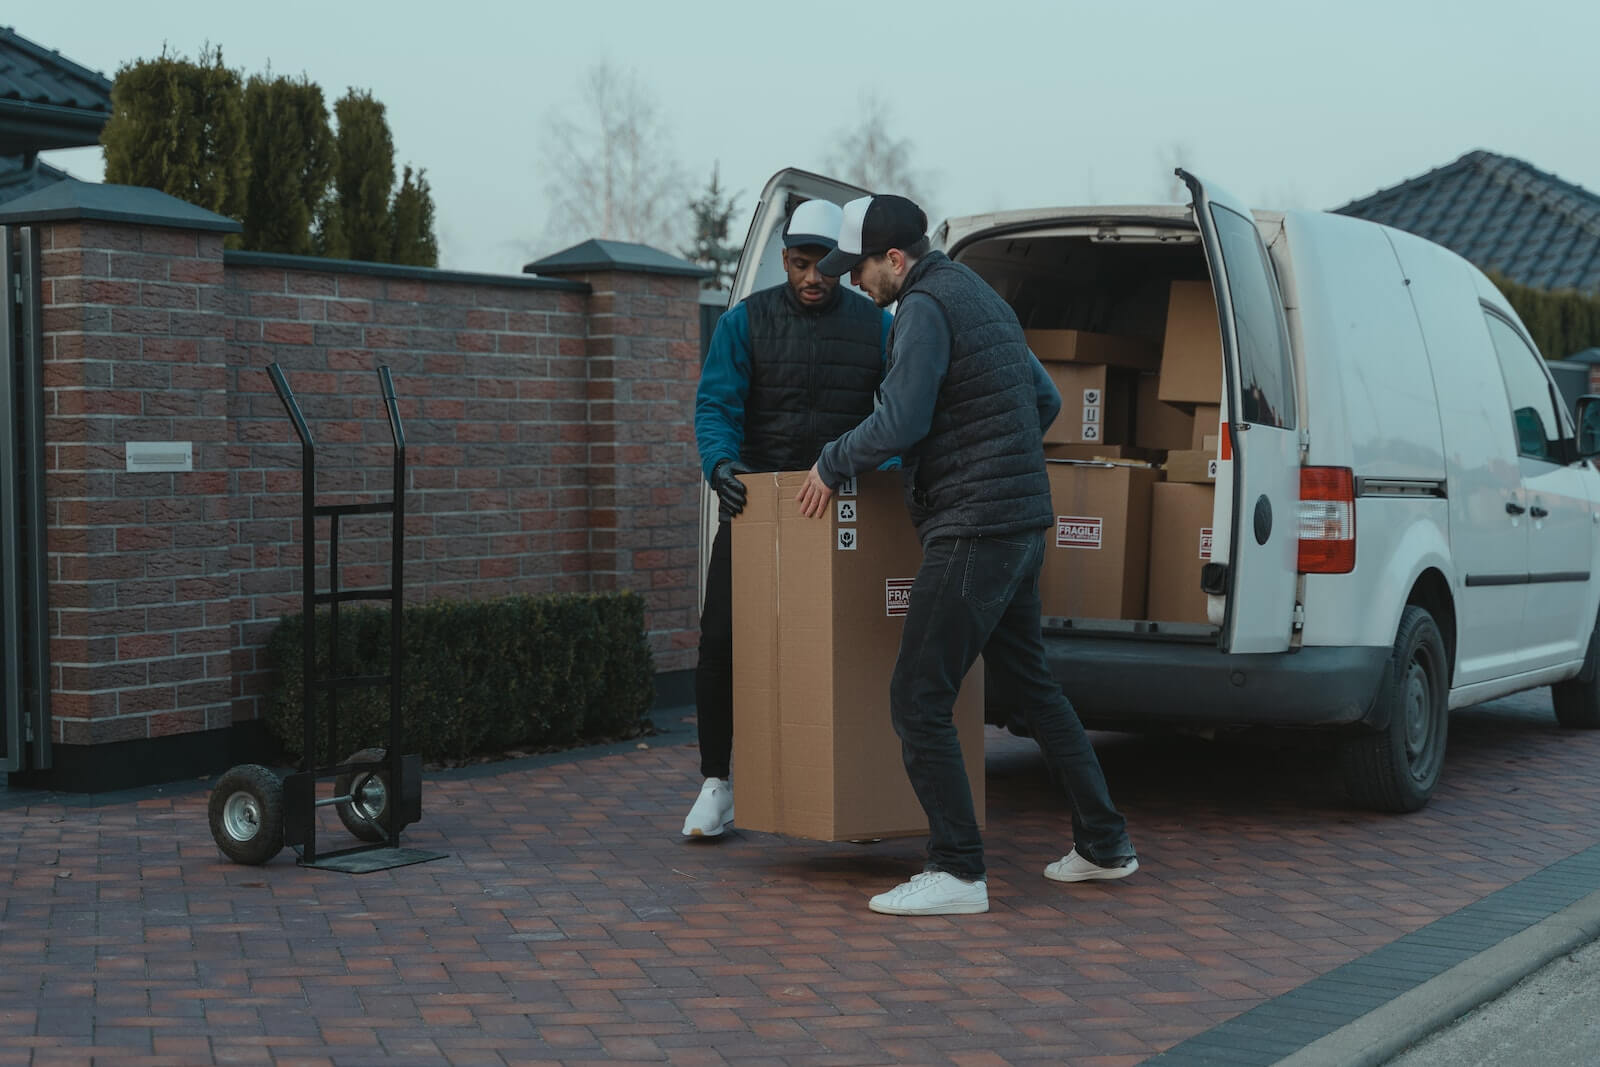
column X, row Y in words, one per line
column 1380, row 1035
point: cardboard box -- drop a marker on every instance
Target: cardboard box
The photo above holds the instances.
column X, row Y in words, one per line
column 1191, row 353
column 1180, row 545
column 818, row 608
column 1207, row 423
column 1096, row 404
column 1095, row 562
column 1081, row 346
column 1157, row 424
column 1112, row 453
column 1191, row 465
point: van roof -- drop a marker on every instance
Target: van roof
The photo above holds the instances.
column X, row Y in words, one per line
column 961, row 228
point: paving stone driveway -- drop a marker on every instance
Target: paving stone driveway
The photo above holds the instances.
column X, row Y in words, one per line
column 570, row 923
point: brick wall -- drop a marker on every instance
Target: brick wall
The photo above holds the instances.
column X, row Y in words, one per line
column 549, row 439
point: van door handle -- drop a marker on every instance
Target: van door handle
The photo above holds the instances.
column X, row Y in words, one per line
column 1538, row 512
column 1514, row 508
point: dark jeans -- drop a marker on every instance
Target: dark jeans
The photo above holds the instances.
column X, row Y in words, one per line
column 981, row 595
column 713, row 675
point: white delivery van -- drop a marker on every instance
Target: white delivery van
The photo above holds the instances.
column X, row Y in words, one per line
column 1404, row 521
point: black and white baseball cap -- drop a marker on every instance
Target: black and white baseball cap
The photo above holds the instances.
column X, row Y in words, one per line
column 871, row 226
column 813, row 222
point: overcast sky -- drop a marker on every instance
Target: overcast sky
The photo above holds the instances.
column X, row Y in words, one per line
column 1005, row 104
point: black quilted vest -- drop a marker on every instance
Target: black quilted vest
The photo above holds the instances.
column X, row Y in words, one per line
column 980, row 470
column 813, row 374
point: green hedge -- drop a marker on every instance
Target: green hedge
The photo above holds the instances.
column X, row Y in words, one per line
column 479, row 678
column 1561, row 322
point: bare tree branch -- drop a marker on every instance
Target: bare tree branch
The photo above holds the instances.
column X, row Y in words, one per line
column 609, row 168
column 869, row 155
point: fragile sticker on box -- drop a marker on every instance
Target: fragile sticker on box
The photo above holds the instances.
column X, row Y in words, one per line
column 1205, row 542
column 847, row 539
column 896, row 595
column 1078, row 531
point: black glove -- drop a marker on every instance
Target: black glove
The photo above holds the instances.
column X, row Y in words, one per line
column 729, row 489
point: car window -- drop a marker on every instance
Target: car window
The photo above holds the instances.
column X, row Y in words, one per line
column 1266, row 384
column 1533, row 411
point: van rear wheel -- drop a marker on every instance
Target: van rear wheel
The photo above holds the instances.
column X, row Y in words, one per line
column 1396, row 768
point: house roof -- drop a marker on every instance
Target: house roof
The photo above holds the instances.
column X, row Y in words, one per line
column 1501, row 214
column 18, row 178
column 46, row 100
column 598, row 255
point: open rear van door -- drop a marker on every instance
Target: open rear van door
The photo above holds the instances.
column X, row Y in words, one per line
column 1260, row 440
column 760, row 267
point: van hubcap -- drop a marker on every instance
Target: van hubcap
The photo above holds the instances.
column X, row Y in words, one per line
column 1419, row 711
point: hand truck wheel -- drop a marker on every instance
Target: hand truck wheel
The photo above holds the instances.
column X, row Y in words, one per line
column 246, row 814
column 366, row 814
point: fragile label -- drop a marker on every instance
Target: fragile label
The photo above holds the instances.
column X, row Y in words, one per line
column 847, row 510
column 1205, row 542
column 847, row 487
column 896, row 595
column 847, row 539
column 1091, row 398
column 1078, row 531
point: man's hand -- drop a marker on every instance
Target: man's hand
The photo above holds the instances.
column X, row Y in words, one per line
column 814, row 495
column 729, row 489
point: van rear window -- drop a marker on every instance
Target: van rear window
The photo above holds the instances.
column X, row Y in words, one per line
column 1266, row 382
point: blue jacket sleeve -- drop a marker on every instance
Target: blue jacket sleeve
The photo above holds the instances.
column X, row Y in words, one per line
column 724, row 385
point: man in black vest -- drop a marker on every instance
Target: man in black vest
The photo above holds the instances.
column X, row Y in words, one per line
column 965, row 403
column 789, row 369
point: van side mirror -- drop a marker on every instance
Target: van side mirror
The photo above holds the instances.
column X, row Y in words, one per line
column 1588, row 426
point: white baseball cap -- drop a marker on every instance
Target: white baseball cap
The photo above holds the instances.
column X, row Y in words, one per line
column 813, row 222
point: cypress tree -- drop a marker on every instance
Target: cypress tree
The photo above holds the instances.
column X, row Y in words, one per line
column 363, row 177
column 411, row 223
column 179, row 126
column 291, row 163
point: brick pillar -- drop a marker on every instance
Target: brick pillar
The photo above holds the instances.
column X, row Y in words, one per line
column 643, row 469
column 134, row 351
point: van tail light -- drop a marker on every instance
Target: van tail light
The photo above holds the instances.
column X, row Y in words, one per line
column 1327, row 520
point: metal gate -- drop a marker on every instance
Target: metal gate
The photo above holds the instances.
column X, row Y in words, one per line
column 24, row 631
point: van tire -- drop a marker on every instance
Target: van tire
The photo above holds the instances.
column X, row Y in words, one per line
column 1395, row 769
column 1577, row 703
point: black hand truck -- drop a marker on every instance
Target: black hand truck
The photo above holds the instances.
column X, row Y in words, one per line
column 377, row 791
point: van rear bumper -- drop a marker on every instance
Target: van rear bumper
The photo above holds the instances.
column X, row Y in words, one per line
column 1122, row 683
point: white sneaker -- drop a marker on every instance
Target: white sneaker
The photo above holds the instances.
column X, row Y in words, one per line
column 1074, row 868
column 933, row 893
column 713, row 809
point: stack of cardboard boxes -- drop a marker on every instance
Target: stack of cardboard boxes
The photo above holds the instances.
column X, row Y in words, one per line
column 1133, row 465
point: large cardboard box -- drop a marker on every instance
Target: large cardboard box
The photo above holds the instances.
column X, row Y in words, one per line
column 818, row 608
column 1180, row 545
column 1096, row 404
column 1157, row 424
column 1207, row 423
column 1191, row 465
column 1191, row 353
column 1095, row 561
column 1082, row 346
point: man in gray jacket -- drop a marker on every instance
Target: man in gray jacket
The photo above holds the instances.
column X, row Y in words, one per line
column 965, row 403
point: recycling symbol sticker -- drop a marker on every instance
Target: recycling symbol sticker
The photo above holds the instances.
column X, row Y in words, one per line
column 847, row 511
column 847, row 540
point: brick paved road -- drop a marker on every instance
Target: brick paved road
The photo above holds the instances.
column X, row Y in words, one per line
column 569, row 923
